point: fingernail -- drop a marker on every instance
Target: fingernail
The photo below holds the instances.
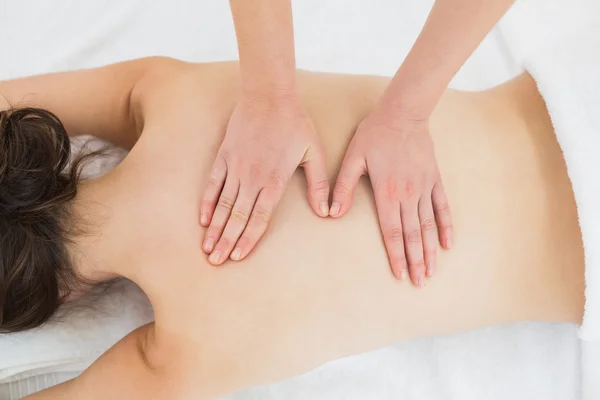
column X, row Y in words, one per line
column 335, row 209
column 204, row 218
column 403, row 274
column 215, row 257
column 324, row 208
column 237, row 254
column 430, row 270
column 420, row 281
column 209, row 244
column 448, row 243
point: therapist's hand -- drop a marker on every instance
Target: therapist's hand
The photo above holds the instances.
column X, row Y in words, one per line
column 398, row 155
column 267, row 138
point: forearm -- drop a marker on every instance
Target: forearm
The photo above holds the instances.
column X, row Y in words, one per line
column 451, row 33
column 265, row 37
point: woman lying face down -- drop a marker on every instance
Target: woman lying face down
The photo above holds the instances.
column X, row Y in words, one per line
column 314, row 289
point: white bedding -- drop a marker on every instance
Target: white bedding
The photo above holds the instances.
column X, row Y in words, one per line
column 524, row 361
column 562, row 56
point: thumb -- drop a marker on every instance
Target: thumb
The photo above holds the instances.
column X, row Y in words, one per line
column 343, row 192
column 315, row 170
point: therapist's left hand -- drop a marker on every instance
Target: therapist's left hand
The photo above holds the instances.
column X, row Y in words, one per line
column 398, row 155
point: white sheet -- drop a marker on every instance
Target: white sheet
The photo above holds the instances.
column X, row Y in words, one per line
column 527, row 361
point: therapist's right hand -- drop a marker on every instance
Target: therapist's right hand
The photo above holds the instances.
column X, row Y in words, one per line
column 398, row 155
column 267, row 138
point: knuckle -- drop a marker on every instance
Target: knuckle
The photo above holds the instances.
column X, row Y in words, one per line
column 418, row 265
column 447, row 229
column 213, row 182
column 409, row 188
column 321, row 186
column 239, row 215
column 394, row 235
column 276, row 180
column 261, row 216
column 413, row 236
column 443, row 208
column 225, row 203
column 390, row 188
column 341, row 188
column 428, row 225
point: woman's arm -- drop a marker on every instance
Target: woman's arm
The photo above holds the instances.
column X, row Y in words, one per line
column 451, row 33
column 265, row 37
column 134, row 368
column 394, row 140
column 269, row 134
column 101, row 102
column 121, row 373
column 142, row 366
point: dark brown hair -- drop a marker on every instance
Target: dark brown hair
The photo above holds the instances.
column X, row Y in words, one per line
column 37, row 185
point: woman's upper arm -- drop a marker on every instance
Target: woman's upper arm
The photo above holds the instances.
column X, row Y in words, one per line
column 123, row 372
column 98, row 102
column 143, row 365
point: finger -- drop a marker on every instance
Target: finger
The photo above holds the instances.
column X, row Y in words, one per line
column 428, row 233
column 318, row 184
column 442, row 215
column 221, row 214
column 413, row 244
column 388, row 212
column 343, row 193
column 259, row 221
column 235, row 226
column 216, row 179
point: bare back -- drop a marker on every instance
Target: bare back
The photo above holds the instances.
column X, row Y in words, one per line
column 317, row 289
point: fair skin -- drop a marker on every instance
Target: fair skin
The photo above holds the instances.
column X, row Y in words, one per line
column 270, row 134
column 394, row 147
column 316, row 290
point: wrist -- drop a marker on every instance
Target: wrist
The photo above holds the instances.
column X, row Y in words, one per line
column 410, row 95
column 399, row 117
column 405, row 104
column 268, row 80
column 270, row 97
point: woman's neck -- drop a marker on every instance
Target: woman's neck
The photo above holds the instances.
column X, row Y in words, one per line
column 90, row 248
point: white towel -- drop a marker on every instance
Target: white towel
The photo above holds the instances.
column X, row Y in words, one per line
column 563, row 56
column 564, row 59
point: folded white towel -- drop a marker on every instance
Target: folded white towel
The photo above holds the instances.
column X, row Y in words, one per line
column 567, row 71
column 563, row 56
